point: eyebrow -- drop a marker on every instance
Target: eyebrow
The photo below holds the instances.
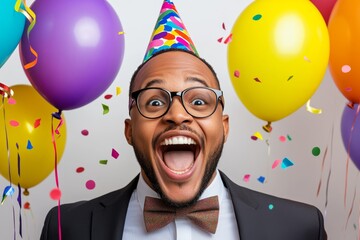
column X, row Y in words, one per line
column 189, row 79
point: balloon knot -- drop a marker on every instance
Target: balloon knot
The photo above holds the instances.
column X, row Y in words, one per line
column 57, row 115
column 26, row 192
column 351, row 105
column 267, row 127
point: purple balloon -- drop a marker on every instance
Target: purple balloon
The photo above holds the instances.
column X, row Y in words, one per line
column 80, row 49
column 350, row 132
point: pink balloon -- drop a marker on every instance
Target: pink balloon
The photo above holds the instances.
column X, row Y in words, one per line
column 80, row 47
column 325, row 7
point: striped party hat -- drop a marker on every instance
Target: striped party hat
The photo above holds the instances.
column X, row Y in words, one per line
column 169, row 32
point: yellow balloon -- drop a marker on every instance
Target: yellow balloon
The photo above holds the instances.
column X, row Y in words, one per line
column 26, row 136
column 278, row 56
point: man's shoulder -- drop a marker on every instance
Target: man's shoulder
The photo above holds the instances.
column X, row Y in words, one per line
column 122, row 194
column 256, row 198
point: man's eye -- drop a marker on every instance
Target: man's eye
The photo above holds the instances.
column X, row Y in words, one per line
column 155, row 103
column 198, row 102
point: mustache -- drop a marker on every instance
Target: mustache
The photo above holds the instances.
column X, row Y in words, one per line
column 182, row 127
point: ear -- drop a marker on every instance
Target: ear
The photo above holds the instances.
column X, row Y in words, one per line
column 128, row 131
column 225, row 121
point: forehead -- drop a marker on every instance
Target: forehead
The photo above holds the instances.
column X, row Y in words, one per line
column 174, row 67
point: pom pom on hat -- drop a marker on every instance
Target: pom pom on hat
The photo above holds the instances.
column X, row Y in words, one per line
column 169, row 33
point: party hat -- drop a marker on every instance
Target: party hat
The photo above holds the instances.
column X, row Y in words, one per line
column 169, row 32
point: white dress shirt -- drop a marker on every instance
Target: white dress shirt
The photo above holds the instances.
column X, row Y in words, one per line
column 181, row 228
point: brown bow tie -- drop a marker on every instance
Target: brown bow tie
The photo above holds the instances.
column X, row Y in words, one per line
column 204, row 213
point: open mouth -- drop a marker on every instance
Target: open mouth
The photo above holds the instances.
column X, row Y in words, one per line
column 179, row 154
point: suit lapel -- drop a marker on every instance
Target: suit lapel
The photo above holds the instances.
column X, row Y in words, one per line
column 245, row 207
column 108, row 218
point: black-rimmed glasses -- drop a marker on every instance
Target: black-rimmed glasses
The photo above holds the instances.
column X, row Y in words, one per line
column 199, row 102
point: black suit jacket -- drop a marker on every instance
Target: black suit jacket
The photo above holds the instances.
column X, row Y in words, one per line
column 103, row 218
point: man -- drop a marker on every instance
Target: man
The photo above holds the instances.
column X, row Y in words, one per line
column 177, row 129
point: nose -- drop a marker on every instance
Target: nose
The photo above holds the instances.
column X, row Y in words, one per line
column 177, row 113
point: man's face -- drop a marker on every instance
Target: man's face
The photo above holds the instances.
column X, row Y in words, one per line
column 179, row 173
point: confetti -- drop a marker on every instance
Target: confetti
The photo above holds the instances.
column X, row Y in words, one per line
column 257, row 17
column 104, row 162
column 11, row 101
column 29, row 145
column 223, row 26
column 289, row 137
column 118, row 91
column 27, row 205
column 257, row 80
column 258, row 135
column 271, row 206
column 55, row 194
column 14, row 123
column 276, row 163
column 121, row 33
column 237, row 73
column 90, row 184
column 220, row 39
column 246, row 178
column 114, row 153
column 80, row 169
column 261, row 179
column 345, row 68
column 37, row 123
column 311, row 109
column 316, row 151
column 290, row 77
column 254, row 138
column 85, row 132
column 307, row 59
column 286, row 163
column 8, row 191
column 282, row 139
column 348, row 89
column 105, row 109
column 228, row 39
column 108, row 96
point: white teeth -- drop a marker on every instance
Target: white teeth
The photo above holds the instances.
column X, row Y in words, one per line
column 178, row 140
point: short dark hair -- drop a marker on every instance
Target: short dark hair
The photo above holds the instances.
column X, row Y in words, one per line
column 169, row 50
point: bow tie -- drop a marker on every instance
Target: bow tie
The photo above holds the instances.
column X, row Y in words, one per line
column 204, row 213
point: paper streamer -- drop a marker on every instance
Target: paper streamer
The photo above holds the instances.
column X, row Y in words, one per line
column 6, row 91
column 31, row 17
column 311, row 109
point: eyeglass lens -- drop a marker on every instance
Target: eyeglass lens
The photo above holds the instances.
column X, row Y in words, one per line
column 198, row 102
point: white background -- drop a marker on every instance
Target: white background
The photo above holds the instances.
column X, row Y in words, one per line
column 203, row 19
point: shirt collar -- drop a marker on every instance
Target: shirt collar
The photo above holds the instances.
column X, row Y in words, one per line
column 216, row 188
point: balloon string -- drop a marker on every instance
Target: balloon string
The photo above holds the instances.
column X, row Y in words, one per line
column 6, row 139
column 13, row 210
column 329, row 174
column 322, row 170
column 20, row 218
column 56, row 169
column 351, row 209
column 31, row 17
column 19, row 188
column 3, row 93
column 348, row 152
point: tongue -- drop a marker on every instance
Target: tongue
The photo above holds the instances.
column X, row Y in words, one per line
column 179, row 160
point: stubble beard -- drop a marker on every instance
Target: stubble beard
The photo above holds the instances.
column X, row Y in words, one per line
column 210, row 168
